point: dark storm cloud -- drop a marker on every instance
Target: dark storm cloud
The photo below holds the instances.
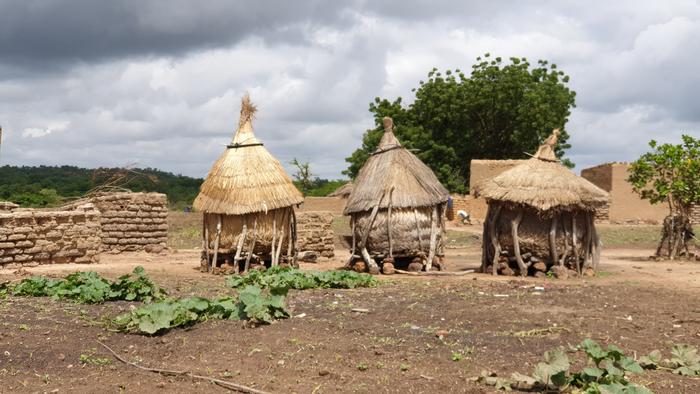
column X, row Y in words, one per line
column 48, row 33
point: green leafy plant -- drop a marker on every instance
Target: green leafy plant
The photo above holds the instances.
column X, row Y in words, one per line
column 606, row 373
column 685, row 360
column 90, row 287
column 252, row 304
column 281, row 279
column 456, row 356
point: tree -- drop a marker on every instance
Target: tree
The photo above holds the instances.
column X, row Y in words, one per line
column 302, row 175
column 670, row 174
column 500, row 111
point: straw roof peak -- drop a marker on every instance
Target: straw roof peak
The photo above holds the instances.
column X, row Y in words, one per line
column 394, row 176
column 246, row 178
column 546, row 150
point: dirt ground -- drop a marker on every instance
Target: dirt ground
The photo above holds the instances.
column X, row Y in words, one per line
column 405, row 343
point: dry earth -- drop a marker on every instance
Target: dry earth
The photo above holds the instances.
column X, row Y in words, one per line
column 636, row 304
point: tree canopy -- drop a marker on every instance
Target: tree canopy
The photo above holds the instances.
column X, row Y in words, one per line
column 670, row 174
column 502, row 110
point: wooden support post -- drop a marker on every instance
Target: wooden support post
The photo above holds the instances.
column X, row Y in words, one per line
column 596, row 244
column 493, row 234
column 371, row 264
column 216, row 244
column 278, row 250
column 562, row 260
column 420, row 241
column 388, row 225
column 239, row 248
column 514, row 223
column 206, row 242
column 352, row 249
column 587, row 242
column 291, row 230
column 433, row 239
column 485, row 241
column 274, row 238
column 574, row 245
column 553, row 240
column 295, row 251
column 251, row 248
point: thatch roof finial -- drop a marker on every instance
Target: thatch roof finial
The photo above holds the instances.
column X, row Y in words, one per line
column 388, row 124
column 388, row 140
column 248, row 110
column 546, row 150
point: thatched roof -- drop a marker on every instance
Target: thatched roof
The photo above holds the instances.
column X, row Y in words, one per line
column 246, row 178
column 543, row 183
column 343, row 191
column 393, row 166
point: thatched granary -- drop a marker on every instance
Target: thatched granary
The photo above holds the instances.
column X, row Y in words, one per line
column 247, row 200
column 343, row 191
column 540, row 216
column 396, row 209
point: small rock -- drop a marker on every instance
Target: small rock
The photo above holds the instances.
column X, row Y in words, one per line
column 540, row 266
column 324, row 372
column 415, row 267
column 441, row 333
column 153, row 248
column 61, row 356
column 540, row 274
column 388, row 269
column 507, row 271
column 360, row 266
column 589, row 272
column 308, row 256
column 374, row 270
column 560, row 272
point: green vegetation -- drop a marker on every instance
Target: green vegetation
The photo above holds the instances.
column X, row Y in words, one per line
column 500, row 111
column 279, row 279
column 671, row 175
column 310, row 185
column 49, row 186
column 607, row 372
column 89, row 287
column 252, row 304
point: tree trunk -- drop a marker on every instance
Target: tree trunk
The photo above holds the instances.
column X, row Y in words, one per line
column 516, row 243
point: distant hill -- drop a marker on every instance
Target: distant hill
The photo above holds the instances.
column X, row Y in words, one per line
column 48, row 186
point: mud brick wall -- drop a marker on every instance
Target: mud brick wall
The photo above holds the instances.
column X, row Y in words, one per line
column 625, row 205
column 475, row 207
column 133, row 221
column 695, row 214
column 6, row 206
column 49, row 237
column 315, row 233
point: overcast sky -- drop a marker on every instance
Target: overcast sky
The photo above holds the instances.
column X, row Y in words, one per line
column 158, row 83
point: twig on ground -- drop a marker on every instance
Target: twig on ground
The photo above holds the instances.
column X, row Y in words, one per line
column 434, row 273
column 229, row 385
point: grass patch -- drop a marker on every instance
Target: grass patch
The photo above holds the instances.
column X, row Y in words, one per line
column 645, row 236
column 461, row 239
column 184, row 230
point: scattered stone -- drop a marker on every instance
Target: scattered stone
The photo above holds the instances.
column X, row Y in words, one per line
column 560, row 272
column 589, row 272
column 324, row 372
column 388, row 269
column 507, row 271
column 540, row 266
column 540, row 274
column 374, row 270
column 415, row 266
column 308, row 256
column 360, row 266
column 154, row 248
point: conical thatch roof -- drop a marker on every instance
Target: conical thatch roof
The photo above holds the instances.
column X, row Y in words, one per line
column 543, row 183
column 246, row 178
column 343, row 191
column 393, row 166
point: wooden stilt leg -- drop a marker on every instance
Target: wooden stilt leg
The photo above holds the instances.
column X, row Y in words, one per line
column 371, row 264
column 588, row 240
column 239, row 248
column 562, row 260
column 420, row 241
column 553, row 240
column 433, row 239
column 274, row 238
column 493, row 233
column 352, row 249
column 486, row 242
column 206, row 243
column 216, row 244
column 574, row 243
column 516, row 243
column 290, row 243
column 388, row 226
column 251, row 249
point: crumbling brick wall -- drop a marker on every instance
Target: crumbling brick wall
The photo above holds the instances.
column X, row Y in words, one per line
column 6, row 206
column 315, row 232
column 50, row 237
column 133, row 221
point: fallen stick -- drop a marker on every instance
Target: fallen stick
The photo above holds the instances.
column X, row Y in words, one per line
column 434, row 273
column 229, row 385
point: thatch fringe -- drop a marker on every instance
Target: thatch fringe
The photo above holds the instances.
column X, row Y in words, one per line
column 544, row 184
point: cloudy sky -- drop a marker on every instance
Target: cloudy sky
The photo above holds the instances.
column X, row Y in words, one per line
column 158, row 83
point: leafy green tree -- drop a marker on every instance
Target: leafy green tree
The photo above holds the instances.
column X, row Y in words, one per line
column 302, row 176
column 670, row 174
column 502, row 110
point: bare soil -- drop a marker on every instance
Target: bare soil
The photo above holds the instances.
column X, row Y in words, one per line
column 404, row 344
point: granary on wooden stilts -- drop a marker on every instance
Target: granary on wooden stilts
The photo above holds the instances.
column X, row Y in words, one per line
column 247, row 200
column 540, row 218
column 396, row 210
